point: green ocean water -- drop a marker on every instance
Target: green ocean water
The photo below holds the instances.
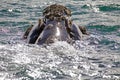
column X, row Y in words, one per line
column 96, row 58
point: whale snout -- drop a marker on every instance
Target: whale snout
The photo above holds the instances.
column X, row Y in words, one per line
column 54, row 31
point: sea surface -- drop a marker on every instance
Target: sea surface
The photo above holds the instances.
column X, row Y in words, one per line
column 96, row 57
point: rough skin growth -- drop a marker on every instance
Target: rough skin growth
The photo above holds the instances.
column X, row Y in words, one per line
column 56, row 10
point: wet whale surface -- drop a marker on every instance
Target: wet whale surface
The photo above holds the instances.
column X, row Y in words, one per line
column 54, row 31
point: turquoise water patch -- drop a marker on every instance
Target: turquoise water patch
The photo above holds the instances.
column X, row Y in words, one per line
column 118, row 34
column 23, row 73
column 3, row 42
column 72, row 7
column 111, row 7
column 86, row 6
column 79, row 13
column 104, row 28
column 75, row 19
column 11, row 23
column 106, row 42
column 117, row 63
column 10, row 13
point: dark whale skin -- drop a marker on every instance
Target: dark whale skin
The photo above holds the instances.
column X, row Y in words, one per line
column 54, row 31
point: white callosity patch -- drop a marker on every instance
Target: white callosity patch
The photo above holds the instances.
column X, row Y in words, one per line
column 57, row 32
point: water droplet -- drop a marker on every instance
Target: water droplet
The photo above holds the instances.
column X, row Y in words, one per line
column 10, row 10
column 96, row 9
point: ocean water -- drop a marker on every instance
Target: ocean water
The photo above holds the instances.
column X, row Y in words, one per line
column 96, row 57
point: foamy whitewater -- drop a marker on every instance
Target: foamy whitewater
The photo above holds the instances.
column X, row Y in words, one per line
column 95, row 57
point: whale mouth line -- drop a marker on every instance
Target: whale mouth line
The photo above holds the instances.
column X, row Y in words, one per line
column 52, row 39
